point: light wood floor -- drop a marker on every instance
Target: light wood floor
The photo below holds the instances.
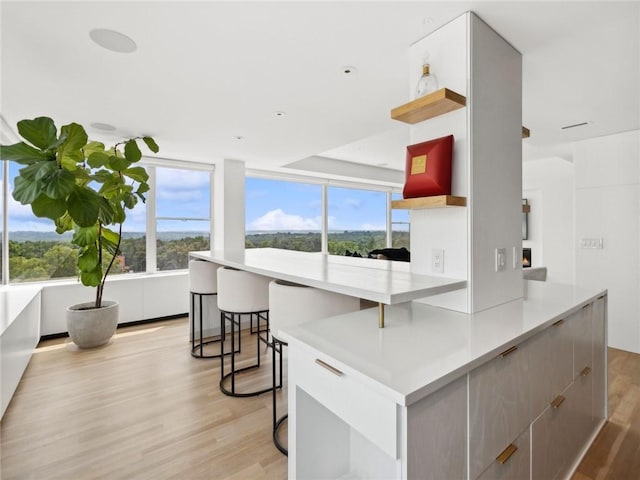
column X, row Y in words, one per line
column 143, row 408
column 139, row 408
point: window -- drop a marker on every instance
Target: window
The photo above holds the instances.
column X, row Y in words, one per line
column 283, row 214
column 399, row 225
column 357, row 221
column 183, row 215
column 36, row 251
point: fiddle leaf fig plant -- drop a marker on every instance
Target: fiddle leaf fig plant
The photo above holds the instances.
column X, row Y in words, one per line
column 82, row 186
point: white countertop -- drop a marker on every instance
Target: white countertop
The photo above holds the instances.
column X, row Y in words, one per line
column 381, row 281
column 422, row 348
column 13, row 300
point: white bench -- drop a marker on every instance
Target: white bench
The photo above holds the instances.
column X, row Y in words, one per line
column 19, row 335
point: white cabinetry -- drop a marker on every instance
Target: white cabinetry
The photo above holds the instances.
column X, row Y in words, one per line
column 499, row 406
column 526, row 407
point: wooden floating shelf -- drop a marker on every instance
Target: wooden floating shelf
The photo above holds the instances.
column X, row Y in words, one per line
column 438, row 201
column 431, row 105
column 526, row 133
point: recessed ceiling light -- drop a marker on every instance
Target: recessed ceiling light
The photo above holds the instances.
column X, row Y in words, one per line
column 239, row 137
column 280, row 113
column 349, row 70
column 112, row 40
column 103, row 126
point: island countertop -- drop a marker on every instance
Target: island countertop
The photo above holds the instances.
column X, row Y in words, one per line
column 422, row 348
column 380, row 281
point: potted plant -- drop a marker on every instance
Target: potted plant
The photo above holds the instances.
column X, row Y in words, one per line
column 86, row 188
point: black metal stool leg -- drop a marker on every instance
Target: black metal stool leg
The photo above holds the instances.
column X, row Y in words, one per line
column 277, row 345
column 235, row 320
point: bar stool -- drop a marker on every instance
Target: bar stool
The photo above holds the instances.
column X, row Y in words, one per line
column 291, row 304
column 241, row 294
column 202, row 283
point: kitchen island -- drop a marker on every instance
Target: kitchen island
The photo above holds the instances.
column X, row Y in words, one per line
column 515, row 391
column 380, row 281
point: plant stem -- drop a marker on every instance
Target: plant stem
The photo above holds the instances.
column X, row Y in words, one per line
column 106, row 272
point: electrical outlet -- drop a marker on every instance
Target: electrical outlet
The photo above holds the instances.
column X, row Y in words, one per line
column 437, row 260
column 501, row 259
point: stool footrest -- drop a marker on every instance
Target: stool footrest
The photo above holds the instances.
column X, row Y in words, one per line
column 276, row 440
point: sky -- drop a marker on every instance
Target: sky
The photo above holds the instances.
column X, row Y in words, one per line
column 271, row 205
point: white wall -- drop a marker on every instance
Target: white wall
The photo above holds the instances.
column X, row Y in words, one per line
column 607, row 199
column 548, row 184
column 141, row 297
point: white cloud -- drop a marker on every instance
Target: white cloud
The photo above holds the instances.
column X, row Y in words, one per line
column 279, row 220
column 175, row 179
column 352, row 202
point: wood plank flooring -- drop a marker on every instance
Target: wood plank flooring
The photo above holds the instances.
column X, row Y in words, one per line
column 139, row 408
column 615, row 453
column 143, row 408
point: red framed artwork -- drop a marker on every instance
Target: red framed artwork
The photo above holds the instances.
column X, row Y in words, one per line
column 428, row 168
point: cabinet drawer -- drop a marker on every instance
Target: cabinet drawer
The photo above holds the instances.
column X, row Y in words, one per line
column 499, row 406
column 513, row 463
column 553, row 437
column 347, row 396
column 582, row 339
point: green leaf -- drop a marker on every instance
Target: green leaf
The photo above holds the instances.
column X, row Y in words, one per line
column 102, row 176
column 70, row 152
column 106, row 211
column 139, row 174
column 45, row 207
column 110, row 240
column 59, row 183
column 91, row 278
column 22, row 153
column 120, row 215
column 63, row 223
column 112, row 186
column 118, row 163
column 37, row 170
column 88, row 259
column 40, row 132
column 26, row 191
column 131, row 151
column 76, row 136
column 151, row 144
column 82, row 206
column 93, row 147
column 143, row 188
column 129, row 200
column 97, row 159
column 85, row 236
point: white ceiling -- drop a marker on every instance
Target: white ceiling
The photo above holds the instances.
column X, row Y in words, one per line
column 205, row 73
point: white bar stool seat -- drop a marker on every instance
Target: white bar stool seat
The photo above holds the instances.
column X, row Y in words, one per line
column 241, row 294
column 203, row 282
column 292, row 304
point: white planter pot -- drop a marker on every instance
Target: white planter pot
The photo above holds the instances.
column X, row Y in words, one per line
column 91, row 327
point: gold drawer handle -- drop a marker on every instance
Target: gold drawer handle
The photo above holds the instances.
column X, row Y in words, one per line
column 332, row 369
column 559, row 322
column 506, row 454
column 585, row 371
column 601, row 297
column 557, row 401
column 509, row 351
column 586, row 306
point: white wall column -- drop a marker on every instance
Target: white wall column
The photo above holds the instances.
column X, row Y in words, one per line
column 470, row 58
column 228, row 219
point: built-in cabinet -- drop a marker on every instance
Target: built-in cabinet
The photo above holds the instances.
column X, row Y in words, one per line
column 528, row 412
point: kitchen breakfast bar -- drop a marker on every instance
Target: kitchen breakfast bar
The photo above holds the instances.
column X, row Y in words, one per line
column 514, row 391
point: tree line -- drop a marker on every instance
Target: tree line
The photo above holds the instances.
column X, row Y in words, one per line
column 34, row 260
